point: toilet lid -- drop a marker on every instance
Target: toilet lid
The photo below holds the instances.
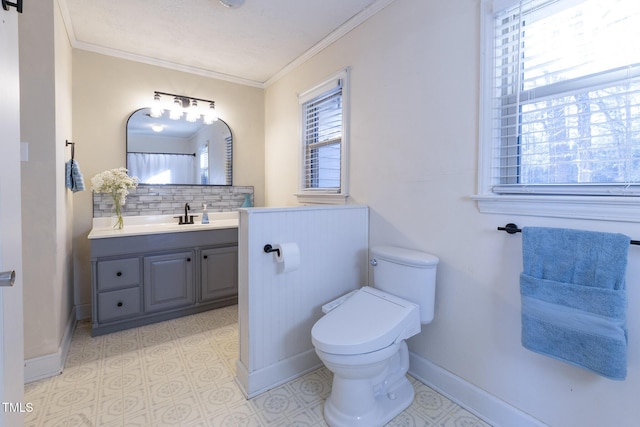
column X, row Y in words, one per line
column 369, row 320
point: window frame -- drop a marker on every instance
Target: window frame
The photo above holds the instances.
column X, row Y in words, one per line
column 325, row 195
column 616, row 206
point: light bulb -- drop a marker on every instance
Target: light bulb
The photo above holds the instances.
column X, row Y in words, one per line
column 176, row 110
column 157, row 127
column 193, row 114
column 211, row 115
column 156, row 108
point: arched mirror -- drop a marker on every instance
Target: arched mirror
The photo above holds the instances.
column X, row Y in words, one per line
column 165, row 151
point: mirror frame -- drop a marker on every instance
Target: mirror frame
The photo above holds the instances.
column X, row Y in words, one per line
column 230, row 184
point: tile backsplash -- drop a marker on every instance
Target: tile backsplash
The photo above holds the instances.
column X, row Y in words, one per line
column 170, row 199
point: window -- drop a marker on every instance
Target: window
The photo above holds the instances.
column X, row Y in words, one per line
column 204, row 164
column 562, row 113
column 323, row 139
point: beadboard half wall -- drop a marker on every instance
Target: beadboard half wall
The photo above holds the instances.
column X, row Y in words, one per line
column 277, row 308
column 170, row 199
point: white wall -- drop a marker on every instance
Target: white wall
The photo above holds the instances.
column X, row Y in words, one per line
column 413, row 160
column 47, row 207
column 107, row 90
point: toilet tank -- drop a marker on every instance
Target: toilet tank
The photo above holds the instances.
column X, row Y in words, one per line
column 408, row 274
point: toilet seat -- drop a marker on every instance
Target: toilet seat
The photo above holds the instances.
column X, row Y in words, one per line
column 367, row 321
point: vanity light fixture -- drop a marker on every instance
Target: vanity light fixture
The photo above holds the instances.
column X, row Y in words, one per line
column 182, row 104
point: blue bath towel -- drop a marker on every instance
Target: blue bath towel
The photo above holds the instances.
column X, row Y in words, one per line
column 574, row 297
column 73, row 177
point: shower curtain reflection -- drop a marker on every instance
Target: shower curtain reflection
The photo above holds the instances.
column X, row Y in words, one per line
column 163, row 168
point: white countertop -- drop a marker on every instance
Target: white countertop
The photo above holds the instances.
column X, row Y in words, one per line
column 160, row 224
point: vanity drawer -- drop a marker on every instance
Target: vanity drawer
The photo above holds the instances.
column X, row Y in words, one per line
column 120, row 304
column 119, row 273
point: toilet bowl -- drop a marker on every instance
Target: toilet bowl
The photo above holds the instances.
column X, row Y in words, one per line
column 361, row 339
column 362, row 342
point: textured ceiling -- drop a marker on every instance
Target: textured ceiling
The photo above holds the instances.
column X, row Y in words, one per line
column 251, row 44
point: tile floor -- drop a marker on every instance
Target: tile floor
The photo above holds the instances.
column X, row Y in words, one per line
column 181, row 373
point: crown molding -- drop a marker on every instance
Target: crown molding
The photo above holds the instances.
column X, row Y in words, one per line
column 166, row 64
column 345, row 28
column 352, row 23
column 66, row 18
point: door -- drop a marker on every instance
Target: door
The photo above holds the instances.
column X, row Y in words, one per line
column 11, row 324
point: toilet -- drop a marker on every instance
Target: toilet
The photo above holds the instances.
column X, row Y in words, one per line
column 361, row 338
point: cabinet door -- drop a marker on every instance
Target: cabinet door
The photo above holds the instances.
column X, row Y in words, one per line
column 219, row 273
column 168, row 281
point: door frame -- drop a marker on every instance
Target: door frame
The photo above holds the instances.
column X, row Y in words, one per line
column 11, row 298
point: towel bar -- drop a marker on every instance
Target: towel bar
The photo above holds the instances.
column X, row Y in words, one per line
column 73, row 147
column 512, row 228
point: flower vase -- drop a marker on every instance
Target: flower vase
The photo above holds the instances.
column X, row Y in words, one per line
column 118, row 221
column 247, row 201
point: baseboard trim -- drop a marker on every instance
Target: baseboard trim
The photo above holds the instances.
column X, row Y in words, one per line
column 50, row 365
column 257, row 382
column 83, row 312
column 472, row 398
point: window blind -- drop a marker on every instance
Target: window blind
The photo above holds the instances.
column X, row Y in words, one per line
column 566, row 110
column 322, row 128
column 228, row 169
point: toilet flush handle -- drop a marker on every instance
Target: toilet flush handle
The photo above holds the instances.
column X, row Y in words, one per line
column 373, row 262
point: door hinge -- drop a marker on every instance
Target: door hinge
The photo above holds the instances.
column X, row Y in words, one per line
column 17, row 4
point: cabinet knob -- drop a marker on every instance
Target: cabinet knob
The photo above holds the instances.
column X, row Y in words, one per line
column 205, row 257
column 119, row 273
column 188, row 259
column 119, row 304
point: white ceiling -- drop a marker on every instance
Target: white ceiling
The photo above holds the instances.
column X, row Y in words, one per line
column 250, row 45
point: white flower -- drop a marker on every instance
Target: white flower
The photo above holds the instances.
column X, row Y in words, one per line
column 115, row 182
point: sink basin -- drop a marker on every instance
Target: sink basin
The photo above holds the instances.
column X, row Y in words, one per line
column 156, row 224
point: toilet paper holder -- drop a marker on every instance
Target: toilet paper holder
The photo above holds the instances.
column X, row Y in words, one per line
column 268, row 249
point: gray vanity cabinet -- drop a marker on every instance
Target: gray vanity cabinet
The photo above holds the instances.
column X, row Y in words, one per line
column 137, row 280
column 217, row 281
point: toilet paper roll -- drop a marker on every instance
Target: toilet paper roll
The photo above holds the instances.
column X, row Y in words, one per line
column 289, row 256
